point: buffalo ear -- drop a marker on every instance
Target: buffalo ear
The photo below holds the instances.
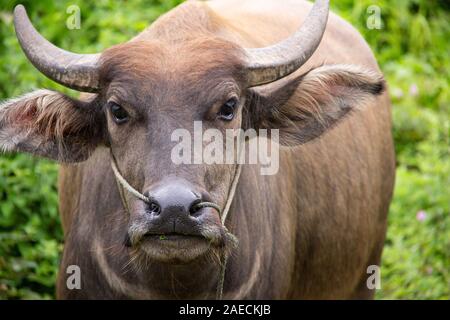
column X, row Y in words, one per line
column 49, row 124
column 306, row 106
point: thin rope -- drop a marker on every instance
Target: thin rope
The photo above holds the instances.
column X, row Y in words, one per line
column 231, row 194
column 126, row 185
column 206, row 204
column 223, row 266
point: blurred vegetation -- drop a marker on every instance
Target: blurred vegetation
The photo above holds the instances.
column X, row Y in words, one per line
column 412, row 48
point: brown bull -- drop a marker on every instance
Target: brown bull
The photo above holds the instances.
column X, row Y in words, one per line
column 309, row 231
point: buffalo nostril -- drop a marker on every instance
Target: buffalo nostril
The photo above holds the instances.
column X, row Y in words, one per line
column 154, row 207
column 195, row 208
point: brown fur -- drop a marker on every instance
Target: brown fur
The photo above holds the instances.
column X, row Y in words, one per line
column 49, row 122
column 328, row 94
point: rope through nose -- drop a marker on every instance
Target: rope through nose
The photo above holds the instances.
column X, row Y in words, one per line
column 206, row 204
column 125, row 185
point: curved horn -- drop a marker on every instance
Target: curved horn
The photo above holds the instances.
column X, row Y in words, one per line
column 76, row 71
column 274, row 62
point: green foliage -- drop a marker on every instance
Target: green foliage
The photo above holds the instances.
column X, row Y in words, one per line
column 30, row 232
column 413, row 50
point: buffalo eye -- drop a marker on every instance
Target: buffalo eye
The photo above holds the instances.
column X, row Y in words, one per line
column 228, row 109
column 119, row 114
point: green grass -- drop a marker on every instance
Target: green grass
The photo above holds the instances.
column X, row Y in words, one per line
column 413, row 50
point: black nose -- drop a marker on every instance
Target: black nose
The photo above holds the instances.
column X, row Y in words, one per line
column 173, row 207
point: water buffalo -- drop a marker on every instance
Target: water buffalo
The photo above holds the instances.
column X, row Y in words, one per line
column 139, row 231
